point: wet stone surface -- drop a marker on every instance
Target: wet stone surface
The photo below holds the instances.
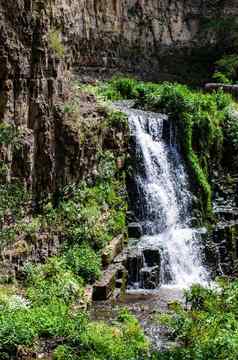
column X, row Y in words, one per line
column 149, row 277
column 146, row 305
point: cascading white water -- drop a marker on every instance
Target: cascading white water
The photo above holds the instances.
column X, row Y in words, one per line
column 164, row 200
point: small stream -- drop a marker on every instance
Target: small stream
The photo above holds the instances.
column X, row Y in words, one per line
column 145, row 305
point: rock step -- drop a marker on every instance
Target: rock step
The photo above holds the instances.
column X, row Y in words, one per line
column 112, row 250
column 150, row 277
column 141, row 264
column 104, row 288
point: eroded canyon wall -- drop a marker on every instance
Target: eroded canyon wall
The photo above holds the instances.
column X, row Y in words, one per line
column 42, row 41
column 157, row 39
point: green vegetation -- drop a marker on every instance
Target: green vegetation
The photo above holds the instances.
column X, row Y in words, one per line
column 13, row 196
column 207, row 330
column 48, row 301
column 55, row 43
column 9, row 136
column 198, row 116
column 225, row 28
column 48, row 304
column 51, row 308
column 227, row 69
column 13, row 199
column 123, row 340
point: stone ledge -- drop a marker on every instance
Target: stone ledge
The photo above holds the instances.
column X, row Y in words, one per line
column 112, row 250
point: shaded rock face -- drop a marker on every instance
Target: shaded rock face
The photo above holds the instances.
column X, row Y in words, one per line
column 155, row 39
column 34, row 86
column 31, row 83
column 222, row 239
column 99, row 37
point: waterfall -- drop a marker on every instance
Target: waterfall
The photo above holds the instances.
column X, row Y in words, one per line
column 163, row 201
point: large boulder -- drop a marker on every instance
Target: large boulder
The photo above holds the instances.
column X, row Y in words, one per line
column 135, row 230
column 152, row 257
column 150, row 277
column 135, row 262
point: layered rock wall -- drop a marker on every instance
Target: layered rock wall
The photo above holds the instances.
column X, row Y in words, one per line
column 155, row 38
column 152, row 38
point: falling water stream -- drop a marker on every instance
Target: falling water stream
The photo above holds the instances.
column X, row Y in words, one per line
column 163, row 207
column 164, row 202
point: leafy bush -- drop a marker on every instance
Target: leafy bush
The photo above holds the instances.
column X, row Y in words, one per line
column 64, row 352
column 54, row 280
column 227, row 69
column 117, row 120
column 208, row 329
column 219, row 77
column 123, row 340
column 84, row 262
column 95, row 214
column 231, row 129
column 125, row 87
column 55, row 317
column 24, row 327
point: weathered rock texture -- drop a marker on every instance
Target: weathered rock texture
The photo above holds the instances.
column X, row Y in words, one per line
column 154, row 38
column 31, row 83
column 150, row 37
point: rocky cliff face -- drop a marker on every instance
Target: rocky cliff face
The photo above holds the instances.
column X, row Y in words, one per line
column 31, row 84
column 149, row 37
column 155, row 39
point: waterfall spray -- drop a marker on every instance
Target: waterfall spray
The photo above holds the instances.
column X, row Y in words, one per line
column 164, row 201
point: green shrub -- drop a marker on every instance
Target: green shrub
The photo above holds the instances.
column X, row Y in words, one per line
column 53, row 281
column 84, row 262
column 125, row 87
column 207, row 330
column 231, row 129
column 55, row 43
column 117, row 120
column 24, row 327
column 219, row 77
column 64, row 352
column 124, row 340
column 227, row 68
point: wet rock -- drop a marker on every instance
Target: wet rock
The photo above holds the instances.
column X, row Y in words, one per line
column 221, row 248
column 149, row 277
column 119, row 283
column 212, row 256
column 135, row 262
column 131, row 217
column 166, row 130
column 152, row 257
column 226, row 214
column 135, row 230
column 121, row 258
